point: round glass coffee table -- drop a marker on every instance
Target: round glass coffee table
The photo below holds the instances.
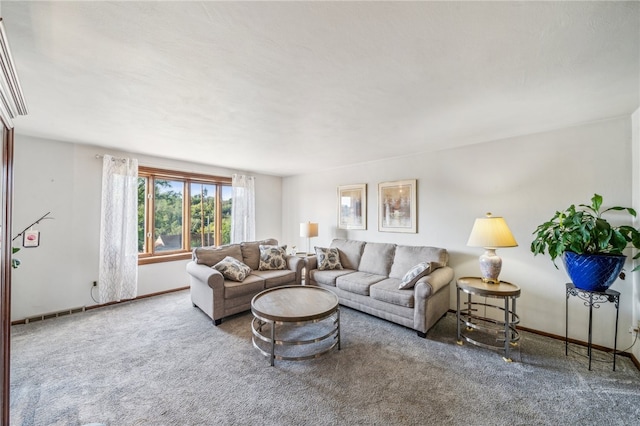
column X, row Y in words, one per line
column 305, row 317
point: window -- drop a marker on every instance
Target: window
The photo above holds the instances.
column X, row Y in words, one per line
column 178, row 212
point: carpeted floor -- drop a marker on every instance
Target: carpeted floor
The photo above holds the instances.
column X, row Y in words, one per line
column 160, row 361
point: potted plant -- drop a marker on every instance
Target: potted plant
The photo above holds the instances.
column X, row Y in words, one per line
column 590, row 247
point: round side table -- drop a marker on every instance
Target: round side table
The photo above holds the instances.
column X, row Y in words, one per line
column 470, row 318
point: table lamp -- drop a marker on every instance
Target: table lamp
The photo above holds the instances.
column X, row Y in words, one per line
column 308, row 230
column 491, row 232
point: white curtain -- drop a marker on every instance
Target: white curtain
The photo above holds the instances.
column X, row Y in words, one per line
column 243, row 209
column 118, row 273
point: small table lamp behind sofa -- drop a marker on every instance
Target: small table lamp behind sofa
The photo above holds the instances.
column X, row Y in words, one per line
column 308, row 230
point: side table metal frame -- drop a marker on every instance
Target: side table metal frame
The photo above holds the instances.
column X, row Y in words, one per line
column 505, row 330
column 592, row 299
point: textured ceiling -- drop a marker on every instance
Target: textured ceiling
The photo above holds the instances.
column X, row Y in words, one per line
column 289, row 87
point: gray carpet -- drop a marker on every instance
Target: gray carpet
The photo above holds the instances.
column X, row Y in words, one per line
column 159, row 361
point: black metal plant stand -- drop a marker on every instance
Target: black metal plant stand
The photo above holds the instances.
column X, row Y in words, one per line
column 592, row 299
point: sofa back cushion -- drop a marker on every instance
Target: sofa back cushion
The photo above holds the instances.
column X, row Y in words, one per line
column 377, row 258
column 211, row 255
column 350, row 252
column 406, row 257
column 251, row 252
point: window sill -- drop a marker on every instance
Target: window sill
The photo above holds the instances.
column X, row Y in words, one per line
column 163, row 258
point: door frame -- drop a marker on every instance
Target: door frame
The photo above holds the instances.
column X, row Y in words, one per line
column 5, row 272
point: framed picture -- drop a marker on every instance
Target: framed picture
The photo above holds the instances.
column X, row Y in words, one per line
column 31, row 239
column 352, row 206
column 397, row 206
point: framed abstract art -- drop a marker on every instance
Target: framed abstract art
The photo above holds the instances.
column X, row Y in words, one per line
column 352, row 206
column 397, row 206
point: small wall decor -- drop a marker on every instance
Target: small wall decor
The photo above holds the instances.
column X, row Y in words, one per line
column 397, row 206
column 31, row 238
column 352, row 206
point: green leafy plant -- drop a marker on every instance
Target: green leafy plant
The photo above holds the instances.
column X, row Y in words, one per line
column 582, row 230
column 15, row 262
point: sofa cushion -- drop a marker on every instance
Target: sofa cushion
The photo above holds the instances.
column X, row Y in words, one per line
column 388, row 291
column 253, row 284
column 350, row 252
column 211, row 255
column 328, row 277
column 358, row 282
column 275, row 278
column 377, row 259
column 272, row 257
column 251, row 251
column 232, row 269
column 414, row 274
column 328, row 258
column 407, row 257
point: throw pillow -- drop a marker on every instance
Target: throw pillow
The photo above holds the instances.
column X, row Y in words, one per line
column 411, row 278
column 232, row 269
column 328, row 258
column 272, row 257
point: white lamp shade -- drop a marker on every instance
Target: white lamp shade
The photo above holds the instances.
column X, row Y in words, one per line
column 491, row 232
column 308, row 230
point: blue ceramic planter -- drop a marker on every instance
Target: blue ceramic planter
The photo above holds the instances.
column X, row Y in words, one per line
column 593, row 272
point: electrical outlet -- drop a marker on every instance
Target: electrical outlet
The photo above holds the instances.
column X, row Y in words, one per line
column 635, row 329
column 95, row 284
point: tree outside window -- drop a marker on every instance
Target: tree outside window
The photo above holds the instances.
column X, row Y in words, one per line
column 184, row 211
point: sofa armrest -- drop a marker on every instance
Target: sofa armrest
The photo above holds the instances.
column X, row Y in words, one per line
column 434, row 282
column 296, row 264
column 212, row 277
column 311, row 262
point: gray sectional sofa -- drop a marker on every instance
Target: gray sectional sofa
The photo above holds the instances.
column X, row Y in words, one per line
column 370, row 277
column 220, row 297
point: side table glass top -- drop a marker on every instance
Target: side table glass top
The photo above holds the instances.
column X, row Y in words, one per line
column 478, row 287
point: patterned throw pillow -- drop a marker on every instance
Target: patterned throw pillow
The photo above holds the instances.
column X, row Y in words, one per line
column 328, row 258
column 414, row 274
column 232, row 269
column 272, row 257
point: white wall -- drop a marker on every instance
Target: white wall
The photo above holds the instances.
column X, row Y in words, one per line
column 65, row 179
column 524, row 179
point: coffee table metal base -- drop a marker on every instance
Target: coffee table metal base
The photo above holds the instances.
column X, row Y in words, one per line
column 303, row 322
column 280, row 333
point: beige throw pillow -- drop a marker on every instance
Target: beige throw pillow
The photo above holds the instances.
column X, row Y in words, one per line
column 411, row 278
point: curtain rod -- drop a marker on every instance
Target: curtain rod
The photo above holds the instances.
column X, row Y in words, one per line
column 101, row 156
